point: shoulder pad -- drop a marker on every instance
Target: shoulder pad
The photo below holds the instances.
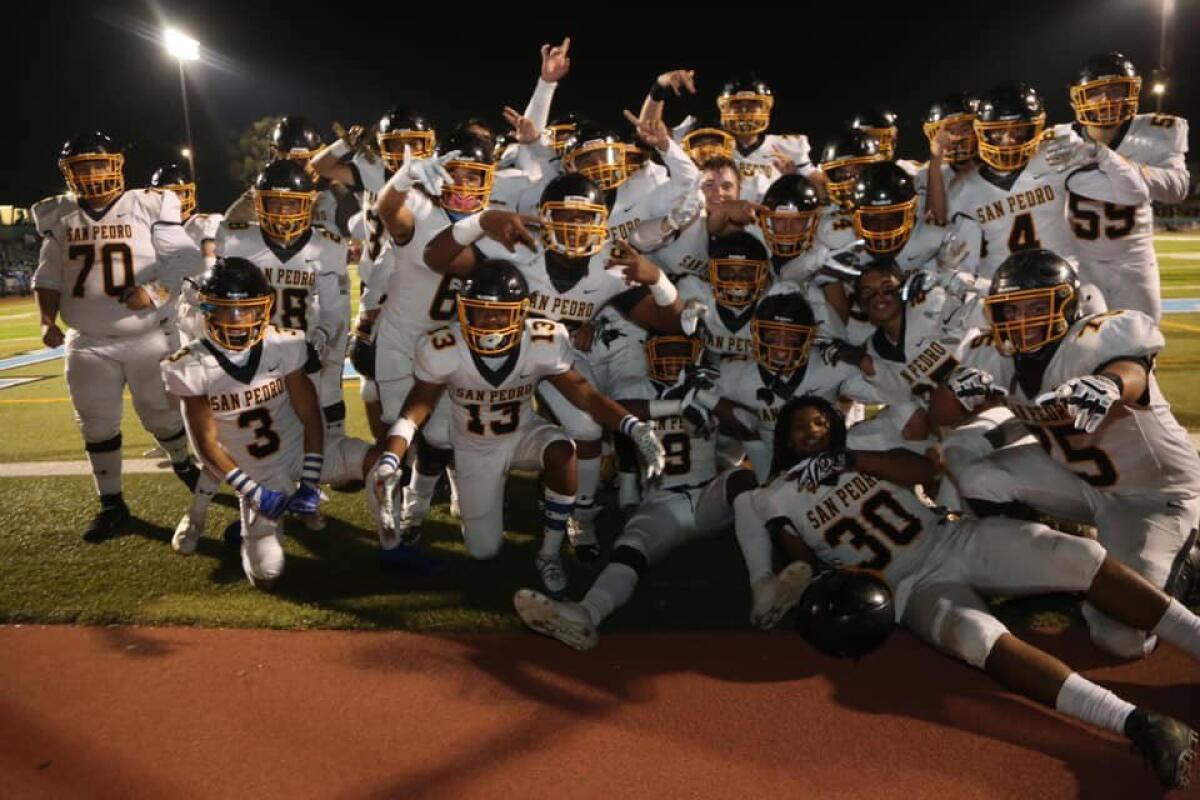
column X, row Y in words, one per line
column 1113, row 334
column 47, row 210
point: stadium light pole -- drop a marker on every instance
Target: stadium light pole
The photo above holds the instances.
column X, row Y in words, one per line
column 1160, row 75
column 183, row 48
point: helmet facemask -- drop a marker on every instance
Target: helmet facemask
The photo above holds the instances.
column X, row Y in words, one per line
column 781, row 347
column 236, row 324
column 284, row 215
column 471, row 189
column 186, row 192
column 885, row 229
column 1017, row 330
column 491, row 327
column 666, row 356
column 840, row 175
column 98, row 177
column 560, row 136
column 602, row 162
column 737, row 282
column 885, row 138
column 704, row 144
column 1097, row 104
column 420, row 144
column 745, row 113
column 573, row 227
column 964, row 147
column 788, row 232
column 1023, row 137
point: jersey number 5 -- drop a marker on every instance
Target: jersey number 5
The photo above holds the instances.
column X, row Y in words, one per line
column 1086, row 222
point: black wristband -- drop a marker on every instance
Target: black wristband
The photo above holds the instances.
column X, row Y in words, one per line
column 1115, row 378
column 658, row 92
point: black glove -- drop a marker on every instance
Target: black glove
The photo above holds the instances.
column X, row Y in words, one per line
column 362, row 356
column 840, row 351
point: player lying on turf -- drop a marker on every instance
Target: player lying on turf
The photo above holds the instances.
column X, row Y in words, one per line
column 492, row 363
column 834, row 507
column 254, row 414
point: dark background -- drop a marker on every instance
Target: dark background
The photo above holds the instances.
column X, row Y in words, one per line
column 74, row 66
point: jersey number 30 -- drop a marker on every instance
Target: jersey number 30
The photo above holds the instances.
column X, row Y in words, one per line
column 884, row 523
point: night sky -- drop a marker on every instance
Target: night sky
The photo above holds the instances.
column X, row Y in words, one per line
column 77, row 66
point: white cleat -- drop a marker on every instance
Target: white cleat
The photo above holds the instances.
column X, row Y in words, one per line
column 187, row 535
column 581, row 533
column 779, row 594
column 554, row 578
column 567, row 622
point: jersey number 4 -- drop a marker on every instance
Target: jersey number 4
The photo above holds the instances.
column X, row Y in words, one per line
column 110, row 254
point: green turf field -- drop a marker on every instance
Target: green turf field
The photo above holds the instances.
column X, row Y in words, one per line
column 333, row 578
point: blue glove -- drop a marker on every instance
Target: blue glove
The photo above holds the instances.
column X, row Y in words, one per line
column 270, row 503
column 305, row 501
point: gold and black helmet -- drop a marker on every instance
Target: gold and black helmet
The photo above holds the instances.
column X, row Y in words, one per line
column 284, row 198
column 492, row 306
column 956, row 110
column 399, row 127
column 1033, row 301
column 178, row 179
column 885, row 207
column 93, row 167
column 842, row 158
column 1105, row 92
column 881, row 125
column 236, row 301
column 1009, row 125
column 745, row 105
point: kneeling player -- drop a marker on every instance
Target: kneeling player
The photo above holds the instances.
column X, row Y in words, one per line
column 836, row 507
column 492, row 363
column 254, row 414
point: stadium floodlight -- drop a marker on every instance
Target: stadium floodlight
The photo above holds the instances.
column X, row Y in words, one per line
column 1159, row 88
column 186, row 152
column 181, row 46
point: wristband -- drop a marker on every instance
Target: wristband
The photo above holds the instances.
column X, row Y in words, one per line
column 665, row 408
column 663, row 291
column 340, row 148
column 240, row 482
column 1117, row 380
column 467, row 231
column 390, row 459
column 627, row 424
column 405, row 429
column 658, row 92
column 311, row 471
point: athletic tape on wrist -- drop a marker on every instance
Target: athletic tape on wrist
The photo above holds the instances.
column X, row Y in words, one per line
column 405, row 428
column 468, row 231
column 663, row 291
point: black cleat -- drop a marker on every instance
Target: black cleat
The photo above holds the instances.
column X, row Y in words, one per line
column 189, row 473
column 108, row 522
column 1165, row 743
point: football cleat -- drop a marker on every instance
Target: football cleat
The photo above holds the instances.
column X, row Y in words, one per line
column 1166, row 744
column 187, row 535
column 554, row 578
column 567, row 622
column 108, row 522
column 779, row 594
column 581, row 531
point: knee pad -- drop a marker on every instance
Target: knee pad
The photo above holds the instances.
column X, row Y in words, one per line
column 1116, row 639
column 628, row 551
column 106, row 445
column 262, row 560
column 481, row 545
column 968, row 633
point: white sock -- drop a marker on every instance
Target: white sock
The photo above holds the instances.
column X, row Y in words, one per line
column 1084, row 700
column 612, row 589
column 1180, row 627
column 587, row 472
column 106, row 471
column 206, row 488
column 559, row 508
column 422, row 485
column 753, row 538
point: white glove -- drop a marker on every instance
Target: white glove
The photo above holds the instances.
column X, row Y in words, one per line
column 387, row 478
column 1089, row 398
column 952, row 252
column 1068, row 149
column 318, row 337
column 694, row 312
column 974, row 387
column 688, row 208
column 815, row 470
column 650, row 449
column 844, row 262
column 430, row 173
column 917, row 285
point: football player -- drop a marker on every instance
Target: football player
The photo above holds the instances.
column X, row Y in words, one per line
column 104, row 249
column 1115, row 241
column 1108, row 452
column 690, row 502
column 254, row 413
column 295, row 138
column 572, row 277
column 1017, row 197
column 782, row 331
column 882, row 126
column 745, row 106
column 492, row 363
column 306, row 266
column 834, row 506
column 949, row 125
column 739, row 273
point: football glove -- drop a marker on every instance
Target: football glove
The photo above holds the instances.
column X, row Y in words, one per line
column 1089, row 398
column 305, row 501
column 816, row 470
column 974, row 387
column 654, row 458
column 836, row 351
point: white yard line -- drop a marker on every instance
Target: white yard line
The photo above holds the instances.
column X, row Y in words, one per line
column 17, row 316
column 47, row 469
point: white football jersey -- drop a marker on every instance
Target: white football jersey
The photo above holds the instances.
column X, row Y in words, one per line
column 1027, row 208
column 651, row 192
column 1133, row 451
column 759, row 171
column 256, row 423
column 203, row 227
column 855, row 520
column 935, row 333
column 91, row 259
column 577, row 302
column 492, row 398
column 1116, row 237
column 726, row 333
column 309, row 277
column 691, row 458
